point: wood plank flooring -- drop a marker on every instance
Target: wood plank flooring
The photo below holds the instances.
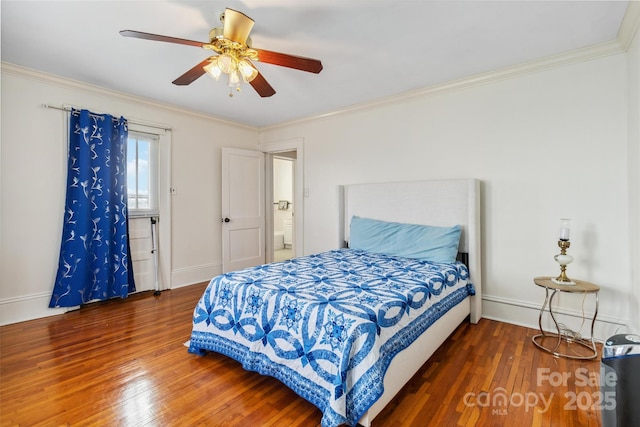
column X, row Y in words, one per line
column 123, row 363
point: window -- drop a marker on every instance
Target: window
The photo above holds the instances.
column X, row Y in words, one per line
column 142, row 174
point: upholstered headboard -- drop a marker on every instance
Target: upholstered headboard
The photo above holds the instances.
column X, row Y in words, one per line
column 437, row 202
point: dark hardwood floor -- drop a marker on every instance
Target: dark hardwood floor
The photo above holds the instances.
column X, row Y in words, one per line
column 123, row 363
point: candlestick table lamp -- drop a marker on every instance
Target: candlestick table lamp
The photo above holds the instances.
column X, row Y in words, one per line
column 562, row 258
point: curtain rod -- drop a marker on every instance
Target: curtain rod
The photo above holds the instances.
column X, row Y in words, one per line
column 68, row 110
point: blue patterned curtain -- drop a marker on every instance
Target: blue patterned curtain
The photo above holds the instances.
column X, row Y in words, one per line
column 95, row 261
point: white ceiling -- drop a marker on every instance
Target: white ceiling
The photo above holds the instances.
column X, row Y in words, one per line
column 369, row 49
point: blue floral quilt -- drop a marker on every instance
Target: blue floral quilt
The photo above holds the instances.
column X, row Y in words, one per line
column 326, row 325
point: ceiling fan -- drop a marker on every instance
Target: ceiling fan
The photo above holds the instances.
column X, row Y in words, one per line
column 235, row 54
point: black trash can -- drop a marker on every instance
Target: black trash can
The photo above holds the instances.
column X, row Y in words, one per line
column 620, row 381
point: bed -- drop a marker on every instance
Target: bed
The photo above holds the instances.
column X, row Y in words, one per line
column 347, row 328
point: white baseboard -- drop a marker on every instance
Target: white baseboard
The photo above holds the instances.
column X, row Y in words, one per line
column 27, row 307
column 36, row 306
column 521, row 313
column 524, row 313
column 190, row 275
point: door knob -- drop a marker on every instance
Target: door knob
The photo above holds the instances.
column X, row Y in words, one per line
column 226, row 220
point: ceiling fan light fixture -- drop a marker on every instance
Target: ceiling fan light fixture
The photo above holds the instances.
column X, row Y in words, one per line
column 213, row 69
column 247, row 70
column 227, row 63
column 234, row 54
column 234, row 79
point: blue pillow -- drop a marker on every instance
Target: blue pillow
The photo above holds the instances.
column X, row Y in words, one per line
column 426, row 242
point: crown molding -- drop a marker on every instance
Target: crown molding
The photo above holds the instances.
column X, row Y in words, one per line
column 628, row 29
column 560, row 60
column 630, row 25
column 17, row 70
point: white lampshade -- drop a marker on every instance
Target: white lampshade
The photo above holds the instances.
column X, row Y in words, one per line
column 212, row 69
column 234, row 79
column 247, row 70
column 227, row 63
column 565, row 224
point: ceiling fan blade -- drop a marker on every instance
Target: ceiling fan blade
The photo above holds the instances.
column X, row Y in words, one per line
column 260, row 84
column 290, row 61
column 237, row 26
column 159, row 38
column 192, row 75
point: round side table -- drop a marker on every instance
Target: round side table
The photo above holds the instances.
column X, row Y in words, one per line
column 551, row 289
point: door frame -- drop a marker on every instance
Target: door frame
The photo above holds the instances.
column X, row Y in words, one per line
column 271, row 149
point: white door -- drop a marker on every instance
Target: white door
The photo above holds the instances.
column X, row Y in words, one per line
column 243, row 209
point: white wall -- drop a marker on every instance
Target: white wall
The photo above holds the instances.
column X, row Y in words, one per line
column 282, row 190
column 33, row 176
column 282, row 180
column 546, row 144
column 633, row 72
column 558, row 142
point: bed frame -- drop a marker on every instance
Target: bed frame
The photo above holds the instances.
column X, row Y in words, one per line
column 441, row 203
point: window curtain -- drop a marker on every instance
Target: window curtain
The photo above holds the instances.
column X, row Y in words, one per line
column 95, row 259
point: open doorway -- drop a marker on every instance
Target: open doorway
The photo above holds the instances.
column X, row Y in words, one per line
column 283, row 168
column 293, row 151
